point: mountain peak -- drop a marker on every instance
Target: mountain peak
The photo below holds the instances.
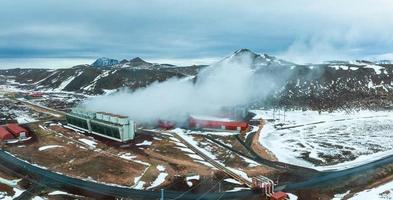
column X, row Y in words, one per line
column 243, row 52
column 123, row 61
column 257, row 60
column 104, row 61
column 137, row 59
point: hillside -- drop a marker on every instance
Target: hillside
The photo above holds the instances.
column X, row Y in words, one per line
column 93, row 80
column 331, row 85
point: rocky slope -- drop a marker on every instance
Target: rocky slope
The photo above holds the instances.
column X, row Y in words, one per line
column 331, row 85
column 90, row 79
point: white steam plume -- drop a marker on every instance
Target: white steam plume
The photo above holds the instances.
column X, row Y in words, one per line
column 230, row 82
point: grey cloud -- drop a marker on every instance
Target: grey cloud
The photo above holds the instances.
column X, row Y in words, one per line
column 301, row 30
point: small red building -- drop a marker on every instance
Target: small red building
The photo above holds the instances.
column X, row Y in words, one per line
column 17, row 130
column 279, row 196
column 216, row 123
column 5, row 134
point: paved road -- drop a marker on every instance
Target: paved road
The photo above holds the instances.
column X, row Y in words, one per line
column 97, row 190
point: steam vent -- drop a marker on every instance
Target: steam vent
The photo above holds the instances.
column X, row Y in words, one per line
column 108, row 125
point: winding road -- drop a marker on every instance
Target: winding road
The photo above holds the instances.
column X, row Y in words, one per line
column 98, row 190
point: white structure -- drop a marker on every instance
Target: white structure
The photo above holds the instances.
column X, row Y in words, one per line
column 115, row 127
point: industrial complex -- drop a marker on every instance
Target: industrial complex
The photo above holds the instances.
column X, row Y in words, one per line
column 111, row 126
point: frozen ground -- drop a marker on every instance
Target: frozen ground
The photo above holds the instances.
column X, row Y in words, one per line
column 328, row 141
column 185, row 135
column 382, row 192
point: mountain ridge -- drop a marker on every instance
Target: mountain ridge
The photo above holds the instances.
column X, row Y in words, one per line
column 320, row 86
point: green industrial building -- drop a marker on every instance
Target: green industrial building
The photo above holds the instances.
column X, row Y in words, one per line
column 111, row 126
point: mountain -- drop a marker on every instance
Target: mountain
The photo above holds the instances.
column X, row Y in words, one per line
column 257, row 60
column 330, row 85
column 104, row 62
column 89, row 79
column 384, row 62
column 136, row 63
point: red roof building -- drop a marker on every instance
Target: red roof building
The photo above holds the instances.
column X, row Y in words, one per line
column 216, row 123
column 4, row 134
column 17, row 130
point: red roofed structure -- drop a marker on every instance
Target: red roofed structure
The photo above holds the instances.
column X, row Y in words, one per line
column 4, row 134
column 215, row 123
column 17, row 130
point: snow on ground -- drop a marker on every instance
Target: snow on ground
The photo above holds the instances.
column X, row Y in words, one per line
column 11, row 183
column 91, row 143
column 144, row 143
column 328, row 141
column 23, row 119
column 233, row 181
column 236, row 189
column 340, row 196
column 161, row 168
column 160, row 178
column 92, row 85
column 292, row 196
column 194, row 143
column 138, row 184
column 38, row 198
column 57, row 192
column 127, row 156
column 43, row 148
column 382, row 192
column 17, row 192
column 67, row 81
column 190, row 178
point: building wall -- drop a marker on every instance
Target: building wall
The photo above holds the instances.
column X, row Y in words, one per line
column 102, row 128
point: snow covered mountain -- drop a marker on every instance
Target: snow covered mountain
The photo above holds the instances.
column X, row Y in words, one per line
column 104, row 62
column 333, row 84
column 257, row 60
column 93, row 80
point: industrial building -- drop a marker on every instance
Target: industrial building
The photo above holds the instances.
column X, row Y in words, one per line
column 216, row 123
column 111, row 126
column 12, row 131
column 5, row 134
column 17, row 131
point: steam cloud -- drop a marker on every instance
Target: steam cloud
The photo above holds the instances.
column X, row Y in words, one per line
column 230, row 82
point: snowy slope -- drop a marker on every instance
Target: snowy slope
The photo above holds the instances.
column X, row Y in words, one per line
column 328, row 141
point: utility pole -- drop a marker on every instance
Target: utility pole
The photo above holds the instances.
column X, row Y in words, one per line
column 162, row 194
column 219, row 186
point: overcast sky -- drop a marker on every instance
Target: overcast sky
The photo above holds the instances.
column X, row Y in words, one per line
column 66, row 32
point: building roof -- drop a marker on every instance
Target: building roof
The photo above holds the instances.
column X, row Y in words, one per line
column 113, row 115
column 4, row 134
column 15, row 128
